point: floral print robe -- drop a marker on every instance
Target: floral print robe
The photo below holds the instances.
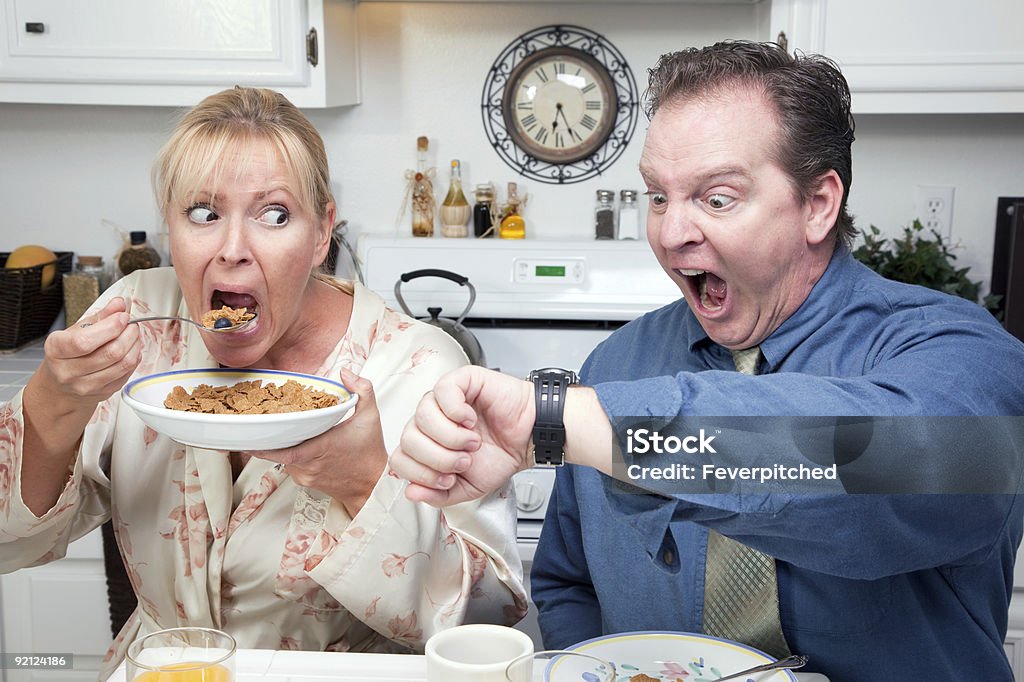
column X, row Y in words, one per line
column 276, row 565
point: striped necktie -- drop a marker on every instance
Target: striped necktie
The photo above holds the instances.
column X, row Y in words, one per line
column 741, row 594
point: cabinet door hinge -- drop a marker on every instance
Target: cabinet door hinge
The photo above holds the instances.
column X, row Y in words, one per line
column 783, row 41
column 312, row 51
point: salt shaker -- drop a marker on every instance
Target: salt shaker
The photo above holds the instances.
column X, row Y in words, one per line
column 629, row 215
column 604, row 215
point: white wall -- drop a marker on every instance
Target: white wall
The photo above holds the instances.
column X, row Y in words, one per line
column 66, row 169
column 981, row 156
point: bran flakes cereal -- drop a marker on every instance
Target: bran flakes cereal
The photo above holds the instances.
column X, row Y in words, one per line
column 234, row 315
column 249, row 397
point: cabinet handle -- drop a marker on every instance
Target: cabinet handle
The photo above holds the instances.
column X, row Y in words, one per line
column 783, row 41
column 311, row 47
column 35, row 27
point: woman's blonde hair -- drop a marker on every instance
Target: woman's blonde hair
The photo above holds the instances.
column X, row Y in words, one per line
column 227, row 121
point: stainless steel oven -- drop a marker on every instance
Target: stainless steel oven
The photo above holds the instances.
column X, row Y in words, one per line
column 539, row 303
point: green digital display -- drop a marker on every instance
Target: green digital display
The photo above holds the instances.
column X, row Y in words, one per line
column 550, row 271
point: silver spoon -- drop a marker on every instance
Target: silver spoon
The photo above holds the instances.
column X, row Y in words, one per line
column 223, row 329
column 789, row 663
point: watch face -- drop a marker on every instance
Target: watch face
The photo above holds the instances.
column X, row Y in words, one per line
column 559, row 105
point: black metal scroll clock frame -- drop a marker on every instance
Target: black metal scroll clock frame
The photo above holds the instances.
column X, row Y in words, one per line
column 560, row 104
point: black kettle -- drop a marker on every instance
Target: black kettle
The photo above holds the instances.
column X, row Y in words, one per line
column 454, row 328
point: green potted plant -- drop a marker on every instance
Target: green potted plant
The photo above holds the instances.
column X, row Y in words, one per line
column 918, row 258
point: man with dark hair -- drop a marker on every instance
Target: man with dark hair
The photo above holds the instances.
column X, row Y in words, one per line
column 747, row 167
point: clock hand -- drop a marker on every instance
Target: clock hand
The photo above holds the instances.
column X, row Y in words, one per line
column 558, row 110
column 572, row 133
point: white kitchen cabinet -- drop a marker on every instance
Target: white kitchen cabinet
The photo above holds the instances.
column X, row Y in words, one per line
column 175, row 52
column 915, row 56
column 599, row 2
column 58, row 608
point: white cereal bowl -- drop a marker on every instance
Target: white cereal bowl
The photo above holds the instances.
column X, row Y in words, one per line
column 146, row 396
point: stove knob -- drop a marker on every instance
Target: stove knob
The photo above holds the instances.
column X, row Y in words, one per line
column 529, row 498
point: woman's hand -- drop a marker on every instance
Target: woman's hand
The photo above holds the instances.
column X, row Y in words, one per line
column 88, row 362
column 467, row 438
column 347, row 460
column 82, row 366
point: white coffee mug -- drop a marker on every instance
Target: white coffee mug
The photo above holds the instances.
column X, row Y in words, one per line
column 474, row 653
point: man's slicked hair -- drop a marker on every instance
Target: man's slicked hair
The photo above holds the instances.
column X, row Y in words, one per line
column 810, row 96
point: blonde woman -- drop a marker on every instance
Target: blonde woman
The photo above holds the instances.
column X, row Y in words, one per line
column 315, row 547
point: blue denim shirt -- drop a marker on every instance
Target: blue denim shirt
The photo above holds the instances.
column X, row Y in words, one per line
column 895, row 587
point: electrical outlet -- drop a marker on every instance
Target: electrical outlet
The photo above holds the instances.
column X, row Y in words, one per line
column 935, row 208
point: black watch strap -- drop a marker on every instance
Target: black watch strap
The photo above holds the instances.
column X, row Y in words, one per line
column 550, row 386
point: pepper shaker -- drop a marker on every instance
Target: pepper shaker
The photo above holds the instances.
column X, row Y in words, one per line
column 604, row 215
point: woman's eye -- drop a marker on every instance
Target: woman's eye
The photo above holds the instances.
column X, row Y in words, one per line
column 274, row 215
column 719, row 200
column 201, row 214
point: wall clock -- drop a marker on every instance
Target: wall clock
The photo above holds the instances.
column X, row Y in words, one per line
column 559, row 104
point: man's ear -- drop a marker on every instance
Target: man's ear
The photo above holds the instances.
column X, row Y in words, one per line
column 823, row 207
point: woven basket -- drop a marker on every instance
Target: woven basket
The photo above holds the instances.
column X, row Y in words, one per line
column 27, row 311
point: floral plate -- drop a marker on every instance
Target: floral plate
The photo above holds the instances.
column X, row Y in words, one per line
column 673, row 656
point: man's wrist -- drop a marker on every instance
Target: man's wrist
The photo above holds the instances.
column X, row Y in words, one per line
column 550, row 388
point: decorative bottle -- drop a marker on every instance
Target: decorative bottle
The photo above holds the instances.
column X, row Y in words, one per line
column 422, row 194
column 512, row 224
column 83, row 286
column 604, row 215
column 483, row 211
column 629, row 215
column 138, row 255
column 455, row 210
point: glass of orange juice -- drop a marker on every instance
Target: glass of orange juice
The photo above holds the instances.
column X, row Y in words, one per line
column 182, row 655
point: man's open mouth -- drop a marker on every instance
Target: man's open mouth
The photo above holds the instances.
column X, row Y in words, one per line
column 710, row 288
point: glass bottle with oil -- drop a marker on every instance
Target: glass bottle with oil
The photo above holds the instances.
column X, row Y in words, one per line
column 455, row 210
column 512, row 225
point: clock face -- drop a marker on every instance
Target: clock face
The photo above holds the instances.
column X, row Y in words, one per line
column 559, row 105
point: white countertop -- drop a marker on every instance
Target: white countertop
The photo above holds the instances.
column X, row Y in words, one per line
column 252, row 665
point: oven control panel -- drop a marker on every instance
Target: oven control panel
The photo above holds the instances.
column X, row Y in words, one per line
column 548, row 270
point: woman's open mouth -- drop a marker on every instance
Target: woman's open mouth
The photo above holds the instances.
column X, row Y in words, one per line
column 708, row 288
column 233, row 299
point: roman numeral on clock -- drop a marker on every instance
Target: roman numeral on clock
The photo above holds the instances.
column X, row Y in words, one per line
column 591, row 105
column 541, row 135
column 588, row 122
column 529, row 122
column 541, row 75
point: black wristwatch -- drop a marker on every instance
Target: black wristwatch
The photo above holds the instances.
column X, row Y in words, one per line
column 550, row 386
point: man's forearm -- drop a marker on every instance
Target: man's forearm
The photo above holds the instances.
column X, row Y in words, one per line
column 588, row 433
